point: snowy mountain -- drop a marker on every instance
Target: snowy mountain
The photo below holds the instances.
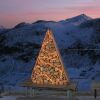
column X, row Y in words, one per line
column 1, row 29
column 77, row 38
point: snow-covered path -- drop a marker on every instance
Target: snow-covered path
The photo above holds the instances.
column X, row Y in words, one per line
column 88, row 98
column 8, row 98
column 34, row 98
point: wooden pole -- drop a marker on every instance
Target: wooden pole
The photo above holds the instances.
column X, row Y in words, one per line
column 27, row 91
column 69, row 94
column 95, row 93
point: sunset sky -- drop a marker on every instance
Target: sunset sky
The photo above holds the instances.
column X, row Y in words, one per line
column 13, row 12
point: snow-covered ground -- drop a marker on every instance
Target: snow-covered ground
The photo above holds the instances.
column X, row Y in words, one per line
column 88, row 98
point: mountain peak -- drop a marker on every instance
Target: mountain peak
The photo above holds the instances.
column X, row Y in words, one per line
column 84, row 16
column 79, row 19
column 1, row 27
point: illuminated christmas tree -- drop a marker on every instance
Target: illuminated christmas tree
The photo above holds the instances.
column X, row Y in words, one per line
column 49, row 69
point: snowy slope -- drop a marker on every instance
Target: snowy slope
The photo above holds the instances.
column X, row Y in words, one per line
column 79, row 47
